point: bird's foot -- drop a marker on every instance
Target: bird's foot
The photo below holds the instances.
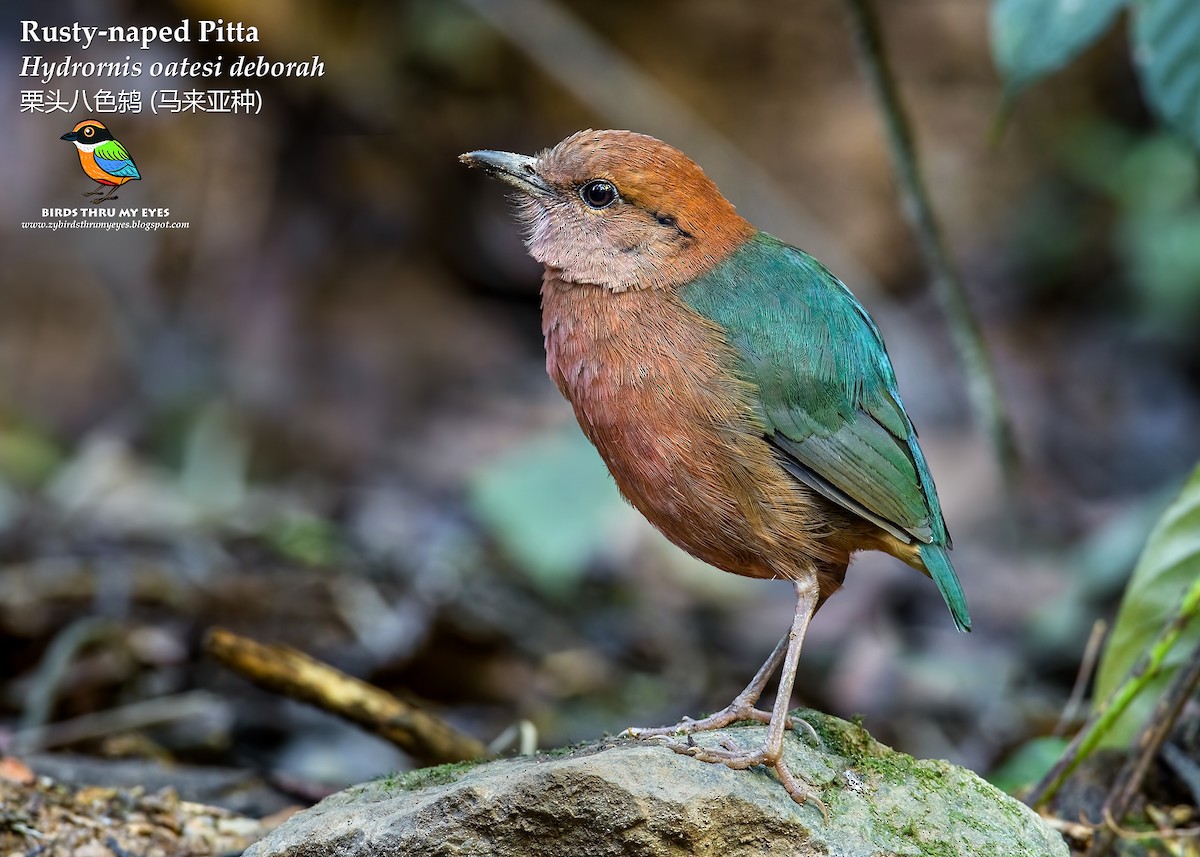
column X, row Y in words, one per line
column 732, row 755
column 731, row 714
column 104, row 199
column 736, row 711
column 93, row 192
column 739, row 759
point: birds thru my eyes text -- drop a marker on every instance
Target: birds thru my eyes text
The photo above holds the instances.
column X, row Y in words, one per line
column 106, row 212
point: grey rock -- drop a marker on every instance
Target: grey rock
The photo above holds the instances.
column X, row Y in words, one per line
column 629, row 797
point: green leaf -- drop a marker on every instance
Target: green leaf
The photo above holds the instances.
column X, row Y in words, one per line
column 1166, row 49
column 1031, row 38
column 304, row 538
column 215, row 460
column 1168, row 567
column 1027, row 764
column 552, row 507
column 1162, row 250
column 27, row 457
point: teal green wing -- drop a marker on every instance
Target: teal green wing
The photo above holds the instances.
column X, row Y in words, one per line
column 828, row 395
column 113, row 159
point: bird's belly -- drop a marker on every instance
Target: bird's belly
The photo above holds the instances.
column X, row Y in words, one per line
column 652, row 387
column 682, row 478
column 96, row 174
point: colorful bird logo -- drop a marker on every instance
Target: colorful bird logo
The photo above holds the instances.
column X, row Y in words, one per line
column 103, row 159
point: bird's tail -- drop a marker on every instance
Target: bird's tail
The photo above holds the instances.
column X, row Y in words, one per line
column 937, row 563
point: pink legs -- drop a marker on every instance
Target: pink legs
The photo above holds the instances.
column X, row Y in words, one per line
column 770, row 753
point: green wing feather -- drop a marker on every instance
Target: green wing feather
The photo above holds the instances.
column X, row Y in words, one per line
column 828, row 394
column 112, row 150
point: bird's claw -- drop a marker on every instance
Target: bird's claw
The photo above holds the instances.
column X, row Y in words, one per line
column 665, row 739
column 802, row 727
column 729, row 753
column 683, row 748
column 731, row 714
column 732, row 756
column 796, row 789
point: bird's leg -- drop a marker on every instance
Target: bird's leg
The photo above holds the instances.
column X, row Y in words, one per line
column 770, row 753
column 99, row 190
column 111, row 195
column 742, row 707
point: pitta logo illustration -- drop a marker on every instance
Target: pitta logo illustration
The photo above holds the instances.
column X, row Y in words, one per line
column 103, row 159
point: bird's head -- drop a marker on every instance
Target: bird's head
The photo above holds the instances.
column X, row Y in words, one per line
column 618, row 210
column 88, row 133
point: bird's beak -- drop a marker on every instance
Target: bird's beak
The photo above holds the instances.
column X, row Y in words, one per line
column 70, row 135
column 520, row 171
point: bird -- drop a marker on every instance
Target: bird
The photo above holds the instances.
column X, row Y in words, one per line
column 104, row 160
column 740, row 395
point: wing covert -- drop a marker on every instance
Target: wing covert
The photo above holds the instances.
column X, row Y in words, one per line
column 827, row 391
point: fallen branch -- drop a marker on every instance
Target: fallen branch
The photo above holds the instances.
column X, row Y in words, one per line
column 282, row 669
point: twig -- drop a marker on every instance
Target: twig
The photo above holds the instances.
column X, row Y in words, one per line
column 136, row 715
column 1149, row 741
column 1103, row 718
column 1087, row 666
column 284, row 670
column 1077, row 830
column 1084, row 832
column 522, row 735
column 43, row 690
column 1185, row 768
column 947, row 283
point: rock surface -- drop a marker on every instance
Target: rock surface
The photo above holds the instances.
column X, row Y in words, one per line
column 634, row 797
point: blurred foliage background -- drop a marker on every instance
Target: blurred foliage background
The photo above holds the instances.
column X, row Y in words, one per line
column 319, row 415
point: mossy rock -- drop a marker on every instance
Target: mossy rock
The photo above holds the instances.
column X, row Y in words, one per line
column 629, row 797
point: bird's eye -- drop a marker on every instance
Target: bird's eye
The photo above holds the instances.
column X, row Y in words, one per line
column 89, row 131
column 598, row 193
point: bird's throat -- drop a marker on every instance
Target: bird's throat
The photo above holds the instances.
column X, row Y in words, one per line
column 620, row 255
